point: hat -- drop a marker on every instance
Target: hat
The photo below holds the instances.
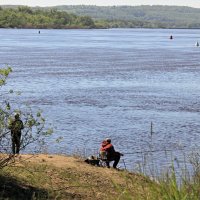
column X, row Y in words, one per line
column 16, row 115
column 108, row 139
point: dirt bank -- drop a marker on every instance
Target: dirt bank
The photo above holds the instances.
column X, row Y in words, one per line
column 64, row 177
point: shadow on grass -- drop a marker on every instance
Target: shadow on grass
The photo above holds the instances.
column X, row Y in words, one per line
column 12, row 189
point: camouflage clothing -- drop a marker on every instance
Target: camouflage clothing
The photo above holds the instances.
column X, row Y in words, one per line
column 16, row 126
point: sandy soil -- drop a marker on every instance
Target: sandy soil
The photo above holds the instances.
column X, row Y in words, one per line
column 75, row 179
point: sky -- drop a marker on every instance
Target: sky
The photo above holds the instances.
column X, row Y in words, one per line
column 190, row 3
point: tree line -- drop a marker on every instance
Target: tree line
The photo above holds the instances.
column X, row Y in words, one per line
column 26, row 17
column 139, row 16
column 62, row 17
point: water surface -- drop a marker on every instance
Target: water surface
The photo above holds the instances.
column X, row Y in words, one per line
column 93, row 84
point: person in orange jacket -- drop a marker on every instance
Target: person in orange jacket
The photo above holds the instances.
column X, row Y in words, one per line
column 111, row 154
column 103, row 153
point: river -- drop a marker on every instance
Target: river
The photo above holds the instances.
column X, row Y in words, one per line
column 93, row 84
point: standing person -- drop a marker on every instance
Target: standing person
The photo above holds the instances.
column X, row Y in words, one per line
column 16, row 126
column 111, row 154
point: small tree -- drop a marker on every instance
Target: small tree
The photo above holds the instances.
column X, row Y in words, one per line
column 34, row 124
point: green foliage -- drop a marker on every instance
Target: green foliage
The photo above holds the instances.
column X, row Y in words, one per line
column 86, row 21
column 4, row 74
column 25, row 17
column 99, row 17
column 169, row 188
column 139, row 16
column 34, row 123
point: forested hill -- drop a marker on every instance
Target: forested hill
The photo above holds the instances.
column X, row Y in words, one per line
column 141, row 16
column 26, row 17
column 100, row 17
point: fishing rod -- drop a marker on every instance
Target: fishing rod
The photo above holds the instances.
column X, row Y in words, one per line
column 156, row 150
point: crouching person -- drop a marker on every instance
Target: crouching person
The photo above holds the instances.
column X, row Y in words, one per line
column 111, row 154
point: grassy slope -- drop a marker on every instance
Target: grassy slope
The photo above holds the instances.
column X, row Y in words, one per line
column 61, row 177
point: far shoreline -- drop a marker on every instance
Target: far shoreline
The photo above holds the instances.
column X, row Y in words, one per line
column 96, row 28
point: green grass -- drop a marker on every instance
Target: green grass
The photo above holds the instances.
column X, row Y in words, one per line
column 41, row 181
